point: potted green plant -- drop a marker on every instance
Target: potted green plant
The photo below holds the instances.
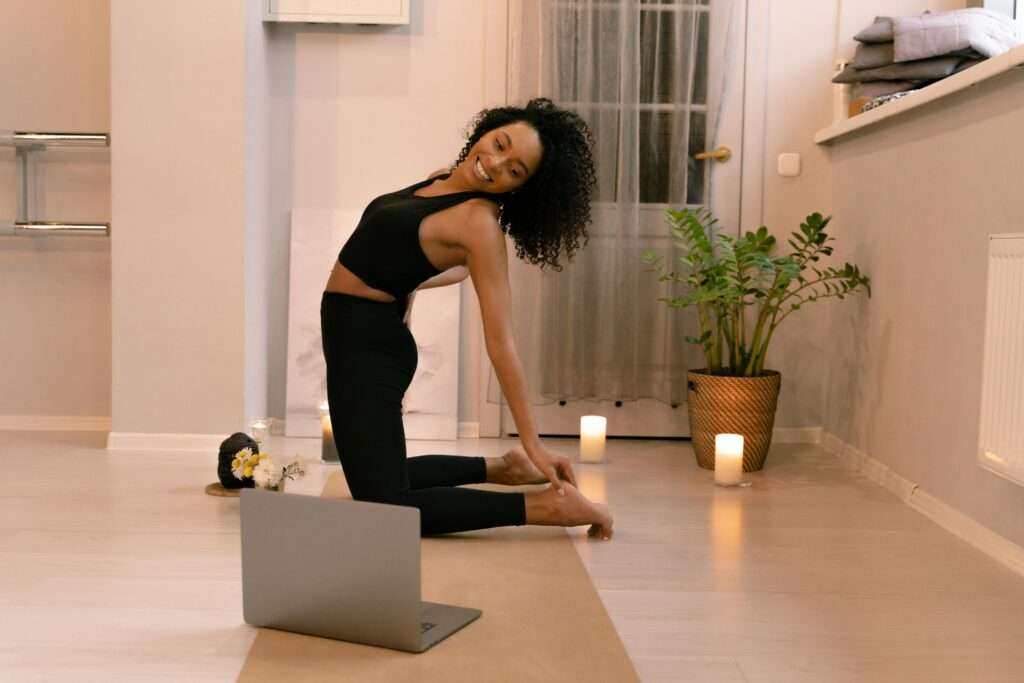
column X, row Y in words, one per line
column 742, row 293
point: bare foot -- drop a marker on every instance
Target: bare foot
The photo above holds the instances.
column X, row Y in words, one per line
column 515, row 468
column 572, row 509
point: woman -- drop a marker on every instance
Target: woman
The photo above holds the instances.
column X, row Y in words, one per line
column 527, row 171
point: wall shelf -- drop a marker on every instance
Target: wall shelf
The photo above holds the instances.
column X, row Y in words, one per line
column 1010, row 61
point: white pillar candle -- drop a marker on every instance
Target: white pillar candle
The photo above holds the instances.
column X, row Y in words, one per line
column 728, row 459
column 328, row 451
column 592, row 437
column 259, row 429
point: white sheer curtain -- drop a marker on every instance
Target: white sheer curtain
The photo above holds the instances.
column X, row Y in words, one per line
column 636, row 71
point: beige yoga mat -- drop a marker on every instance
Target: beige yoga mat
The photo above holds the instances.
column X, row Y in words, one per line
column 542, row 619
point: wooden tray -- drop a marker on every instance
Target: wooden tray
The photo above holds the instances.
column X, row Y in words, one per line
column 217, row 489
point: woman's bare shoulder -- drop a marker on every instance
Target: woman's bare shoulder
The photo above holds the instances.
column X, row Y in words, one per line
column 481, row 229
column 482, row 213
column 440, row 171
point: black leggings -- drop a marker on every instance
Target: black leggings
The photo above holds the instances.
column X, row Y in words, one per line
column 371, row 357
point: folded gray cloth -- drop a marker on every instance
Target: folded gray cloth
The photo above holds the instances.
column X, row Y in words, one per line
column 872, row 55
column 882, row 88
column 875, row 89
column 967, row 64
column 878, row 32
column 920, row 70
column 930, row 35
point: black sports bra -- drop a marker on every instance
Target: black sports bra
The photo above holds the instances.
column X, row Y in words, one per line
column 385, row 251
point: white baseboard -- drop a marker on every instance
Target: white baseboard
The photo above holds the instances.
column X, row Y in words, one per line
column 980, row 536
column 469, row 430
column 206, row 444
column 55, row 423
column 144, row 441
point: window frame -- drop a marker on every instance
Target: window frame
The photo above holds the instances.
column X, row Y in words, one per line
column 656, row 209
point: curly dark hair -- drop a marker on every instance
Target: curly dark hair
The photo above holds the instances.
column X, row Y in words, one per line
column 549, row 213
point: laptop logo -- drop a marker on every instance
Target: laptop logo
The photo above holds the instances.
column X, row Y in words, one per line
column 426, row 626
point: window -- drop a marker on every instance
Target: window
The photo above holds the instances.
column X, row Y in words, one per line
column 1011, row 8
column 667, row 90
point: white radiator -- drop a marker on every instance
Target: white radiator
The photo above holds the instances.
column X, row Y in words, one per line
column 1001, row 434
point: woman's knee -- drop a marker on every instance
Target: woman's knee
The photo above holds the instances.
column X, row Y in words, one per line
column 376, row 494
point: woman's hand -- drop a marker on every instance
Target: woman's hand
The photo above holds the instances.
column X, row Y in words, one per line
column 555, row 466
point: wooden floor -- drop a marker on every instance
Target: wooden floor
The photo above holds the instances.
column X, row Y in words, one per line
column 116, row 567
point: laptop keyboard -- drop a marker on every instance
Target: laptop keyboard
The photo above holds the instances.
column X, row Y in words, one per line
column 426, row 626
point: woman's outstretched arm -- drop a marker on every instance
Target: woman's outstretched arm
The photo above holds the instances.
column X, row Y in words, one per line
column 487, row 260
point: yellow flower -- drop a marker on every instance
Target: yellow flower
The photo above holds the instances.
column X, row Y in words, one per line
column 248, row 471
column 236, row 462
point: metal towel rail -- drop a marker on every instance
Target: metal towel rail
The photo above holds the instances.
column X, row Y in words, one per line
column 25, row 145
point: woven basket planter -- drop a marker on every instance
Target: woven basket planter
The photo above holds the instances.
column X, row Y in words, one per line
column 732, row 405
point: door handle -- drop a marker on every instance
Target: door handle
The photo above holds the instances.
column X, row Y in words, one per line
column 721, row 155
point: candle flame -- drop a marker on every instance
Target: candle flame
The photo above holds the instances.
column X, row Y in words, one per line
column 593, row 425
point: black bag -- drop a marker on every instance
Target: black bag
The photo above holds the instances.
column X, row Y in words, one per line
column 228, row 449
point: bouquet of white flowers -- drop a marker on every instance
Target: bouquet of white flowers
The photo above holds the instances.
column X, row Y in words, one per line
column 261, row 469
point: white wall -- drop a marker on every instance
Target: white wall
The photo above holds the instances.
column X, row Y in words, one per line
column 919, row 196
column 260, row 176
column 360, row 111
column 345, row 134
column 303, row 116
column 162, row 349
column 55, row 291
column 220, row 126
column 896, row 376
column 804, row 39
column 179, row 245
column 351, row 135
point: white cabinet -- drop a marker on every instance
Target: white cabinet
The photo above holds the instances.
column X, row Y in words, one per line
column 338, row 11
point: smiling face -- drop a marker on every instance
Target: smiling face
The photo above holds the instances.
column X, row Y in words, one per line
column 502, row 159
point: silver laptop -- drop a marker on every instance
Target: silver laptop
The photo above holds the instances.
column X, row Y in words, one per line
column 341, row 569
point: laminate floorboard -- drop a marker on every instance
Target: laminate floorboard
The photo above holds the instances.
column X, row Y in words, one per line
column 117, row 567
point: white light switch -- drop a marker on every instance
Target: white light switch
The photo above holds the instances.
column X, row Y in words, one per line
column 789, row 164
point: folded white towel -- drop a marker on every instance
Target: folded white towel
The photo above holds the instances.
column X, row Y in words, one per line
column 930, row 35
